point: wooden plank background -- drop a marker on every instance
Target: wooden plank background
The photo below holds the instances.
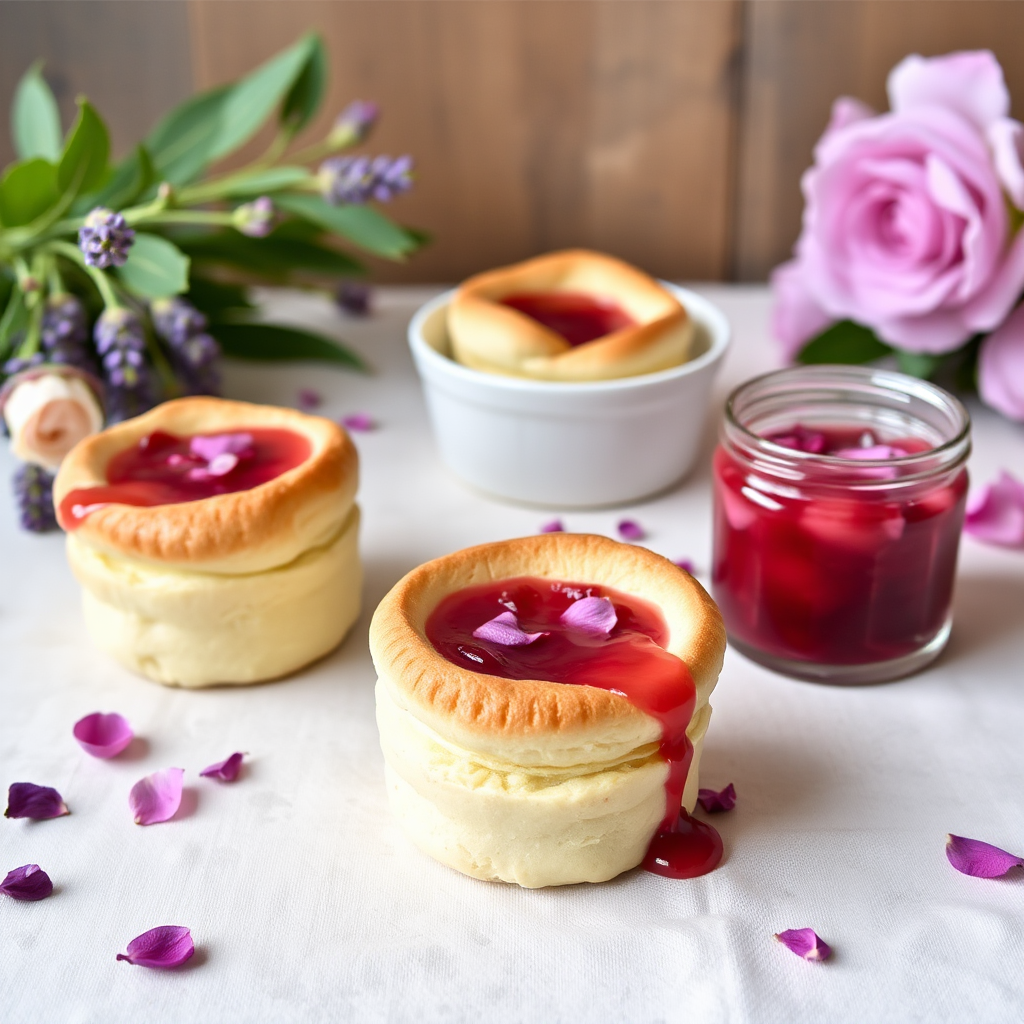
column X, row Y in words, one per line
column 670, row 132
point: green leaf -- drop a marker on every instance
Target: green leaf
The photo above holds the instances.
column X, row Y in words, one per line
column 253, row 99
column 917, row 364
column 13, row 321
column 274, row 256
column 182, row 142
column 83, row 163
column 844, row 342
column 304, row 97
column 273, row 342
column 362, row 225
column 156, row 268
column 131, row 178
column 258, row 183
column 216, row 299
column 35, row 120
column 27, row 191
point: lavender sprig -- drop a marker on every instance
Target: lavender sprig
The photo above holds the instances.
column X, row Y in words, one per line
column 64, row 335
column 121, row 342
column 357, row 179
column 33, row 492
column 105, row 239
column 353, row 124
column 195, row 353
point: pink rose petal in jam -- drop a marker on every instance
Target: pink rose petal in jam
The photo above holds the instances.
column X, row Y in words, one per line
column 156, row 797
column 593, row 615
column 27, row 800
column 164, row 947
column 504, row 629
column 226, row 770
column 806, row 943
column 209, row 446
column 103, row 735
column 978, row 859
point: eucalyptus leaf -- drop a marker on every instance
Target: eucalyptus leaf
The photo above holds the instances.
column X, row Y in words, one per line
column 218, row 300
column 83, row 164
column 844, row 342
column 35, row 119
column 182, row 143
column 362, row 225
column 156, row 268
column 276, row 343
column 304, row 97
column 27, row 191
column 271, row 179
column 917, row 364
column 275, row 256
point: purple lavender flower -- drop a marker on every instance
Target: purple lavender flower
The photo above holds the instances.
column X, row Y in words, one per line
column 195, row 353
column 353, row 298
column 357, row 179
column 255, row 219
column 33, row 492
column 121, row 342
column 354, row 124
column 391, row 177
column 65, row 333
column 18, row 363
column 105, row 239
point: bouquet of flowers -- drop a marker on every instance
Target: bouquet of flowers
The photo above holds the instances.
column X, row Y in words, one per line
column 121, row 286
column 911, row 243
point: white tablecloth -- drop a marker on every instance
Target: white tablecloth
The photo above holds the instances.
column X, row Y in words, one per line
column 306, row 902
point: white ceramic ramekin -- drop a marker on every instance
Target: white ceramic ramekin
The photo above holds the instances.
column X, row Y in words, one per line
column 568, row 445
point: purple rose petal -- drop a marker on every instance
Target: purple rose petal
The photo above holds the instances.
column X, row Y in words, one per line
column 27, row 800
column 157, row 797
column 800, row 439
column 981, row 860
column 28, row 883
column 210, row 446
column 226, row 771
column 310, row 399
column 995, row 513
column 170, row 945
column 103, row 735
column 630, row 529
column 714, row 801
column 592, row 615
column 686, row 565
column 360, row 422
column 805, row 942
column 504, row 629
column 555, row 526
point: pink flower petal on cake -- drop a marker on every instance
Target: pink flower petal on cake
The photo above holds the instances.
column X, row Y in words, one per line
column 504, row 629
column 170, row 945
column 360, row 422
column 806, row 943
column 309, row 399
column 226, row 771
column 686, row 565
column 995, row 513
column 981, row 860
column 593, row 615
column 28, row 883
column 27, row 800
column 209, row 446
column 157, row 797
column 103, row 735
column 630, row 529
column 714, row 801
column 554, row 526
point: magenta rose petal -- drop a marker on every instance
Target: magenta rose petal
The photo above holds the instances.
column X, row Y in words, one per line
column 27, row 800
column 360, row 422
column 504, row 629
column 553, row 526
column 686, row 565
column 28, row 883
column 593, row 615
column 630, row 529
column 978, row 859
column 226, row 770
column 806, row 943
column 309, row 399
column 168, row 946
column 714, row 801
column 995, row 513
column 103, row 735
column 209, row 446
column 157, row 797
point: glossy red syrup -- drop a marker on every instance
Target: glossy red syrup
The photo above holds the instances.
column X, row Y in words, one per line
column 629, row 661
column 575, row 316
column 834, row 575
column 162, row 470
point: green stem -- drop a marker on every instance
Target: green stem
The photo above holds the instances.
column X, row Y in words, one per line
column 169, row 217
column 102, row 282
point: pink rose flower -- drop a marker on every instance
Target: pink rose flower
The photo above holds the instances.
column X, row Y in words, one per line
column 906, row 228
column 1001, row 367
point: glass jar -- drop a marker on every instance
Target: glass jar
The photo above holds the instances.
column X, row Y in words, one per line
column 839, row 568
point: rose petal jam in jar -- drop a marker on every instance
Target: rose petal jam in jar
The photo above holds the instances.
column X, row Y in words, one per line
column 839, row 496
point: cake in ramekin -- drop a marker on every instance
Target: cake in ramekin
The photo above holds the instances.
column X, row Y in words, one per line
column 542, row 705
column 215, row 541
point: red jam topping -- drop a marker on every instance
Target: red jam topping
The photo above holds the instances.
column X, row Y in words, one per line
column 628, row 660
column 163, row 469
column 575, row 316
column 815, row 573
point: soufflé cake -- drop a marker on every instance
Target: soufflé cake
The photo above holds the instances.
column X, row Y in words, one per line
column 568, row 316
column 215, row 541
column 542, row 705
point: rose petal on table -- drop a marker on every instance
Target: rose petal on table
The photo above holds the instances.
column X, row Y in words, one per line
column 309, row 399
column 981, row 860
column 360, row 422
column 805, row 942
column 226, row 770
column 157, row 797
column 170, row 945
column 27, row 800
column 504, row 629
column 103, row 735
column 995, row 512
column 209, row 446
column 630, row 529
column 554, row 526
column 28, row 883
column 686, row 565
column 714, row 801
column 593, row 615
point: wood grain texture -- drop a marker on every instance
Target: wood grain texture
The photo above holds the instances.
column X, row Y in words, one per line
column 534, row 125
column 799, row 57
